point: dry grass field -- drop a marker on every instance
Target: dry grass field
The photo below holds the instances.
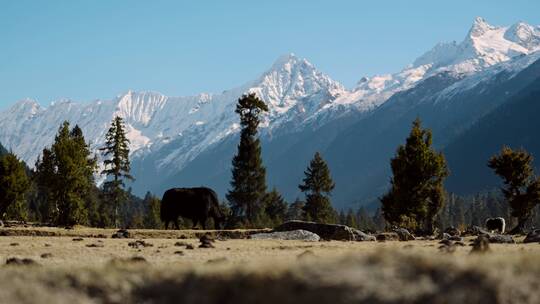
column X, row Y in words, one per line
column 85, row 265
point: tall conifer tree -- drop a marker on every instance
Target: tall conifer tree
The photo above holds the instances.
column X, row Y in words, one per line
column 13, row 185
column 248, row 173
column 417, row 192
column 65, row 173
column 317, row 186
column 522, row 188
column 117, row 165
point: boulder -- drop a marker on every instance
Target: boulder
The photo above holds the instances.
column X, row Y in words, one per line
column 475, row 230
column 325, row 231
column 404, row 234
column 480, row 244
column 532, row 237
column 387, row 236
column 361, row 236
column 500, row 239
column 297, row 235
column 121, row 234
column 452, row 231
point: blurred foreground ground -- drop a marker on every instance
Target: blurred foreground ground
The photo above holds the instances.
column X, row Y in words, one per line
column 102, row 270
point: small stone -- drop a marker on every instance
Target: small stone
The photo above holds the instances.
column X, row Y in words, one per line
column 95, row 245
column 190, row 247
column 46, row 255
column 179, row 252
column 14, row 244
column 18, row 261
column 78, row 239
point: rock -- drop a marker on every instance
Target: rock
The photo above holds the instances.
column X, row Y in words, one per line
column 78, row 239
column 190, row 247
column 121, row 234
column 206, row 245
column 455, row 238
column 14, row 244
column 444, row 236
column 361, row 236
column 325, row 231
column 297, row 235
column 139, row 243
column 17, row 261
column 135, row 260
column 387, row 236
column 180, row 244
column 452, row 231
column 532, row 237
column 480, row 244
column 95, row 245
column 475, row 230
column 446, row 242
column 448, row 248
column 46, row 255
column 207, row 238
column 404, row 234
column 179, row 252
column 501, row 239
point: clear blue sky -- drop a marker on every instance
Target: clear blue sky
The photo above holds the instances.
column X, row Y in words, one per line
column 85, row 50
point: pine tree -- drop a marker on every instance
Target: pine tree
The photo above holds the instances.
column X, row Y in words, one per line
column 364, row 220
column 151, row 217
column 350, row 219
column 522, row 188
column 248, row 173
column 65, row 174
column 117, row 165
column 275, row 207
column 296, row 210
column 417, row 192
column 317, row 186
column 13, row 185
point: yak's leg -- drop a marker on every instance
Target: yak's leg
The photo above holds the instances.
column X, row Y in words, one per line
column 166, row 224
column 195, row 221
column 176, row 224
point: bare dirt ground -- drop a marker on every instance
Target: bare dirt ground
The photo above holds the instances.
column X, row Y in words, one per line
column 85, row 265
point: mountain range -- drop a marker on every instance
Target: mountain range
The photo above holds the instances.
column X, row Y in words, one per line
column 469, row 93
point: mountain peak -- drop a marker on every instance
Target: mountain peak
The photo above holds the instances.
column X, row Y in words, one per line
column 480, row 27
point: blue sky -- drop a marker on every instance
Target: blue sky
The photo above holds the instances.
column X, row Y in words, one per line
column 86, row 50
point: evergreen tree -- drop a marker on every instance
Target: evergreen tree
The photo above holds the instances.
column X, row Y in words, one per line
column 417, row 192
column 296, row 210
column 248, row 173
column 275, row 207
column 522, row 188
column 350, row 219
column 151, row 218
column 65, row 174
column 13, row 185
column 117, row 165
column 364, row 220
column 317, row 186
column 342, row 217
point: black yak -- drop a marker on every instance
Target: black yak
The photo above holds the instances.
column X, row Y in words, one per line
column 496, row 223
column 196, row 204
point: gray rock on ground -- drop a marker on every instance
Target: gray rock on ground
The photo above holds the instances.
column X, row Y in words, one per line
column 361, row 236
column 500, row 238
column 532, row 237
column 325, row 231
column 404, row 234
column 297, row 235
column 387, row 236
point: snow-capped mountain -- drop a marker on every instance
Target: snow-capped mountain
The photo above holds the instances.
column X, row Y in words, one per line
column 293, row 89
column 169, row 133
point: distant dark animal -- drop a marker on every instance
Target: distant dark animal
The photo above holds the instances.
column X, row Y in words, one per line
column 196, row 204
column 496, row 223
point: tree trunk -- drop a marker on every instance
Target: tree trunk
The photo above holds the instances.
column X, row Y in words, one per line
column 520, row 227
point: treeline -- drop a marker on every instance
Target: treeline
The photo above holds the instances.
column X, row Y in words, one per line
column 61, row 189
